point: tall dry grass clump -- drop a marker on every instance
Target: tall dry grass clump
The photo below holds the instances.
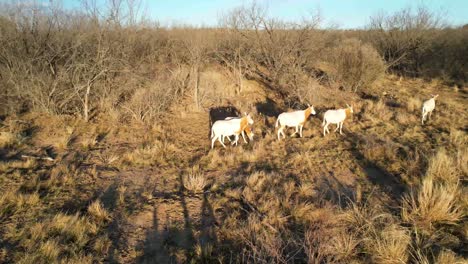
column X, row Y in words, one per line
column 413, row 104
column 8, row 139
column 443, row 168
column 195, row 182
column 97, row 211
column 389, row 245
column 458, row 138
column 462, row 161
column 431, row 204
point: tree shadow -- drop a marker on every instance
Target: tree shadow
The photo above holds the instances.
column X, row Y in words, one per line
column 154, row 249
column 332, row 190
column 208, row 238
column 377, row 175
column 163, row 243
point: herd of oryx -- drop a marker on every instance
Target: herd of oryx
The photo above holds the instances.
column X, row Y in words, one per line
column 235, row 126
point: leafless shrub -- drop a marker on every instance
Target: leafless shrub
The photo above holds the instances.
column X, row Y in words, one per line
column 147, row 104
column 356, row 65
column 70, row 75
column 403, row 36
column 268, row 48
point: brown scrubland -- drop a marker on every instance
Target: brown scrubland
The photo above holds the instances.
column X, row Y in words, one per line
column 105, row 150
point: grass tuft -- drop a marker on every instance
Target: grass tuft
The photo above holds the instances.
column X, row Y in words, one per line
column 432, row 203
column 195, row 182
column 98, row 212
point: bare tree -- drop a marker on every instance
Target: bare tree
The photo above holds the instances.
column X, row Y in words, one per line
column 402, row 37
column 197, row 50
column 267, row 47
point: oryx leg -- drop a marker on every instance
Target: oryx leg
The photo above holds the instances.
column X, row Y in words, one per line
column 221, row 141
column 325, row 129
column 243, row 136
column 300, row 130
column 423, row 117
column 297, row 130
column 213, row 139
column 236, row 139
column 341, row 127
column 337, row 126
column 281, row 132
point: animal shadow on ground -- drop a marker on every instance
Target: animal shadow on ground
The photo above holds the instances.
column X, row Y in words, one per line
column 268, row 109
column 220, row 113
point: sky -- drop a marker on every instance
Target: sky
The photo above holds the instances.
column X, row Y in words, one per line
column 342, row 13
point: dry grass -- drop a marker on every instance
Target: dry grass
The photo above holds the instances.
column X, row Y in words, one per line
column 413, row 105
column 405, row 118
column 8, row 139
column 147, row 154
column 432, row 203
column 195, row 182
column 462, row 161
column 98, row 212
column 390, row 245
column 17, row 164
column 102, row 245
column 267, row 201
column 380, row 149
column 344, row 246
column 72, row 228
column 458, row 138
column 52, row 240
column 381, row 111
column 13, row 202
column 449, row 257
column 443, row 168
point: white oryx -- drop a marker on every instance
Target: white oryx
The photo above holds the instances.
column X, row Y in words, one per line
column 336, row 117
column 247, row 130
column 231, row 127
column 428, row 107
column 293, row 119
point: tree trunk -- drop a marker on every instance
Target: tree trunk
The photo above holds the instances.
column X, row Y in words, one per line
column 196, row 90
column 240, row 72
column 86, row 104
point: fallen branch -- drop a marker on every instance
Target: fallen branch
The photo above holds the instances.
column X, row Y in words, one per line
column 38, row 158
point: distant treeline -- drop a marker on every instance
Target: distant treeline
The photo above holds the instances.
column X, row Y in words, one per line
column 84, row 62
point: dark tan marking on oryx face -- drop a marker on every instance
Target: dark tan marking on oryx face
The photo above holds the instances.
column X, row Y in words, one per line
column 348, row 112
column 307, row 113
column 248, row 130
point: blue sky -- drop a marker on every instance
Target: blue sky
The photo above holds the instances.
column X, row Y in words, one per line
column 344, row 13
